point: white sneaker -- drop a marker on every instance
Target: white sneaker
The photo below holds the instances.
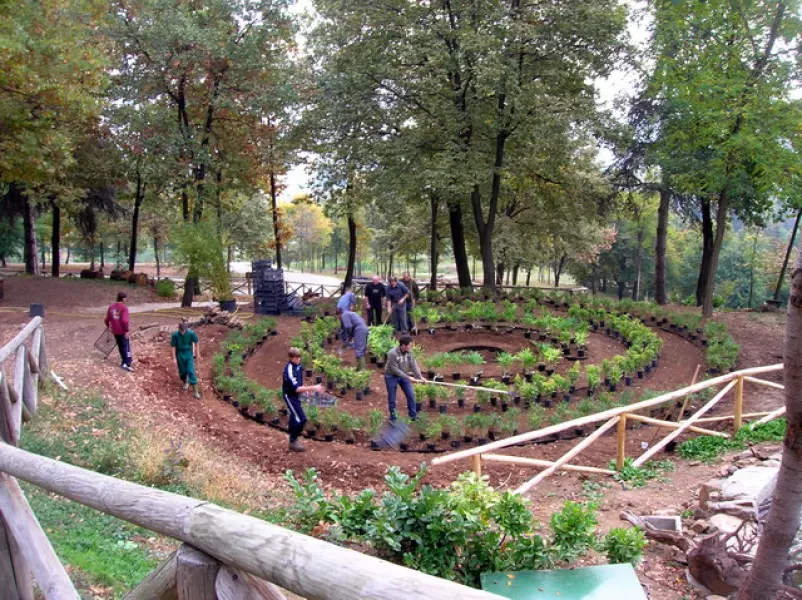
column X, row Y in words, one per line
column 185, row 387
column 127, row 368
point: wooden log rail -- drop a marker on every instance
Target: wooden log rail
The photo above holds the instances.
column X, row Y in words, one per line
column 621, row 416
column 303, row 565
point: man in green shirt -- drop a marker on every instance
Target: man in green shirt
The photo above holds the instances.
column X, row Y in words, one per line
column 185, row 342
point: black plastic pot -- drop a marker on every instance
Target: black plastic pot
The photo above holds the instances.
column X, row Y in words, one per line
column 366, row 391
column 373, row 360
column 456, row 443
column 566, row 397
column 418, row 407
column 329, row 437
column 235, row 403
column 275, row 421
column 380, row 364
column 547, row 403
column 628, row 380
column 580, row 353
column 477, row 408
column 430, row 374
column 611, row 387
column 516, row 400
column 432, row 403
column 456, row 375
column 318, row 379
column 308, row 373
column 343, row 390
column 528, row 335
column 491, row 435
column 528, row 377
column 506, row 380
column 640, row 374
column 549, row 371
column 505, row 406
column 571, row 389
column 422, row 437
column 227, row 397
column 461, row 402
column 590, row 392
column 228, row 305
column 431, row 447
column 359, row 395
column 283, row 412
column 259, row 417
column 329, row 385
column 493, row 401
column 404, row 447
column 443, row 408
column 445, row 435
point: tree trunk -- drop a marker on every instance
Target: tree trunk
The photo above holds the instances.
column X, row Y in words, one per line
column 349, row 270
column 515, row 274
column 140, row 195
column 67, row 259
column 500, row 273
column 660, row 246
column 707, row 251
column 276, row 224
column 156, row 254
column 102, row 254
column 189, row 288
column 622, row 286
column 718, row 242
column 44, row 257
column 779, row 287
column 558, row 270
column 458, row 244
column 765, row 576
column 390, row 266
column 433, row 251
column 29, row 225
column 528, row 275
column 752, row 270
column 55, row 240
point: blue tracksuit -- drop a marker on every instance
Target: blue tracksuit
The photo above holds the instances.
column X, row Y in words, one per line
column 292, row 379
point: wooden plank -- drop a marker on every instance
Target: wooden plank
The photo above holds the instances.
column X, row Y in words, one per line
column 27, row 331
column 728, row 417
column 15, row 578
column 602, row 416
column 672, row 425
column 621, row 442
column 770, row 384
column 687, row 400
column 44, row 363
column 39, row 555
column 683, row 426
column 771, row 416
column 738, row 411
column 196, row 573
column 234, row 584
column 161, row 584
column 537, row 462
column 303, row 565
column 7, row 431
column 522, row 489
column 29, row 392
column 15, row 419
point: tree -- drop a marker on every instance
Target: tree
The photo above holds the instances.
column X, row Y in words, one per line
column 311, row 229
column 481, row 80
column 719, row 65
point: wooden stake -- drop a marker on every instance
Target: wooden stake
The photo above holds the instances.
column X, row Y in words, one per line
column 196, row 573
column 567, row 456
column 621, row 443
column 728, row 417
column 683, row 426
column 687, row 399
column 15, row 578
column 476, row 464
column 161, row 584
column 771, row 416
column 771, row 384
column 739, row 405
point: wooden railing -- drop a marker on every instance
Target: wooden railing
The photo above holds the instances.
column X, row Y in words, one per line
column 225, row 555
column 619, row 417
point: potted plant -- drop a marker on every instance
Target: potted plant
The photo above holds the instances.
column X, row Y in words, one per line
column 548, row 391
column 329, row 419
column 493, row 425
column 527, row 358
column 593, row 375
column 421, row 425
column 573, row 377
column 509, row 423
column 505, row 359
column 562, row 385
column 460, row 394
column 552, row 356
column 534, row 419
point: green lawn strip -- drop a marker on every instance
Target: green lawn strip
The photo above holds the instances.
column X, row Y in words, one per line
column 101, row 550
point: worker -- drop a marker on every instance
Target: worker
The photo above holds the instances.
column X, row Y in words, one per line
column 397, row 294
column 346, row 302
column 356, row 334
column 186, row 350
column 293, row 384
column 117, row 320
column 412, row 298
column 402, row 369
column 375, row 293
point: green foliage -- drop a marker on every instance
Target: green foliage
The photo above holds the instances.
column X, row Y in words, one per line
column 707, row 448
column 165, row 288
column 634, row 477
column 573, row 530
column 198, row 247
column 624, row 545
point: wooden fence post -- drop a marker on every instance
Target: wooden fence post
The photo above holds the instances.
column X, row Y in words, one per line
column 15, row 578
column 161, row 584
column 621, row 443
column 196, row 573
column 739, row 405
column 476, row 462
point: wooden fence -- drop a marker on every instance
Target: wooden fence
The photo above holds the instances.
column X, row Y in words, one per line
column 225, row 555
column 618, row 418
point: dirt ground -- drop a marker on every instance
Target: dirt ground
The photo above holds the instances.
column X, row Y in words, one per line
column 152, row 397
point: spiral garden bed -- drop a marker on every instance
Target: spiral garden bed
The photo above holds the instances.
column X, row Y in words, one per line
column 556, row 358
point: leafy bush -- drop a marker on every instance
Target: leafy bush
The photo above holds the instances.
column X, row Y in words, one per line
column 624, row 545
column 573, row 529
column 165, row 288
column 707, row 447
column 634, row 477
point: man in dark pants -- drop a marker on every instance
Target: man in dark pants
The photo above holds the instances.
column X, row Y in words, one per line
column 374, row 295
column 293, row 384
column 412, row 298
column 357, row 334
column 401, row 369
column 117, row 320
column 397, row 294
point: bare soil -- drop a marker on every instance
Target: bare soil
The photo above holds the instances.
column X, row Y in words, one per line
column 152, row 398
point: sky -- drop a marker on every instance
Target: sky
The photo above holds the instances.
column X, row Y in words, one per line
column 620, row 82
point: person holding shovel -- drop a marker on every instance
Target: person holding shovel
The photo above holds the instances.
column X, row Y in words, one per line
column 185, row 343
column 356, row 334
column 402, row 369
column 346, row 302
column 397, row 294
column 117, row 320
column 412, row 298
column 293, row 384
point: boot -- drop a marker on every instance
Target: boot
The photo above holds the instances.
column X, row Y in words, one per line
column 360, row 363
column 196, row 392
column 185, row 386
column 296, row 446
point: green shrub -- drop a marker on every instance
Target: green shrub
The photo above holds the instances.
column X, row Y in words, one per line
column 707, row 447
column 573, row 529
column 624, row 545
column 165, row 288
column 634, row 477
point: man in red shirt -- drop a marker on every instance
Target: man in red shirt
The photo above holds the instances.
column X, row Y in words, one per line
column 117, row 321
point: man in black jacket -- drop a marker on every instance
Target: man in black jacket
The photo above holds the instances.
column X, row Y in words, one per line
column 374, row 295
